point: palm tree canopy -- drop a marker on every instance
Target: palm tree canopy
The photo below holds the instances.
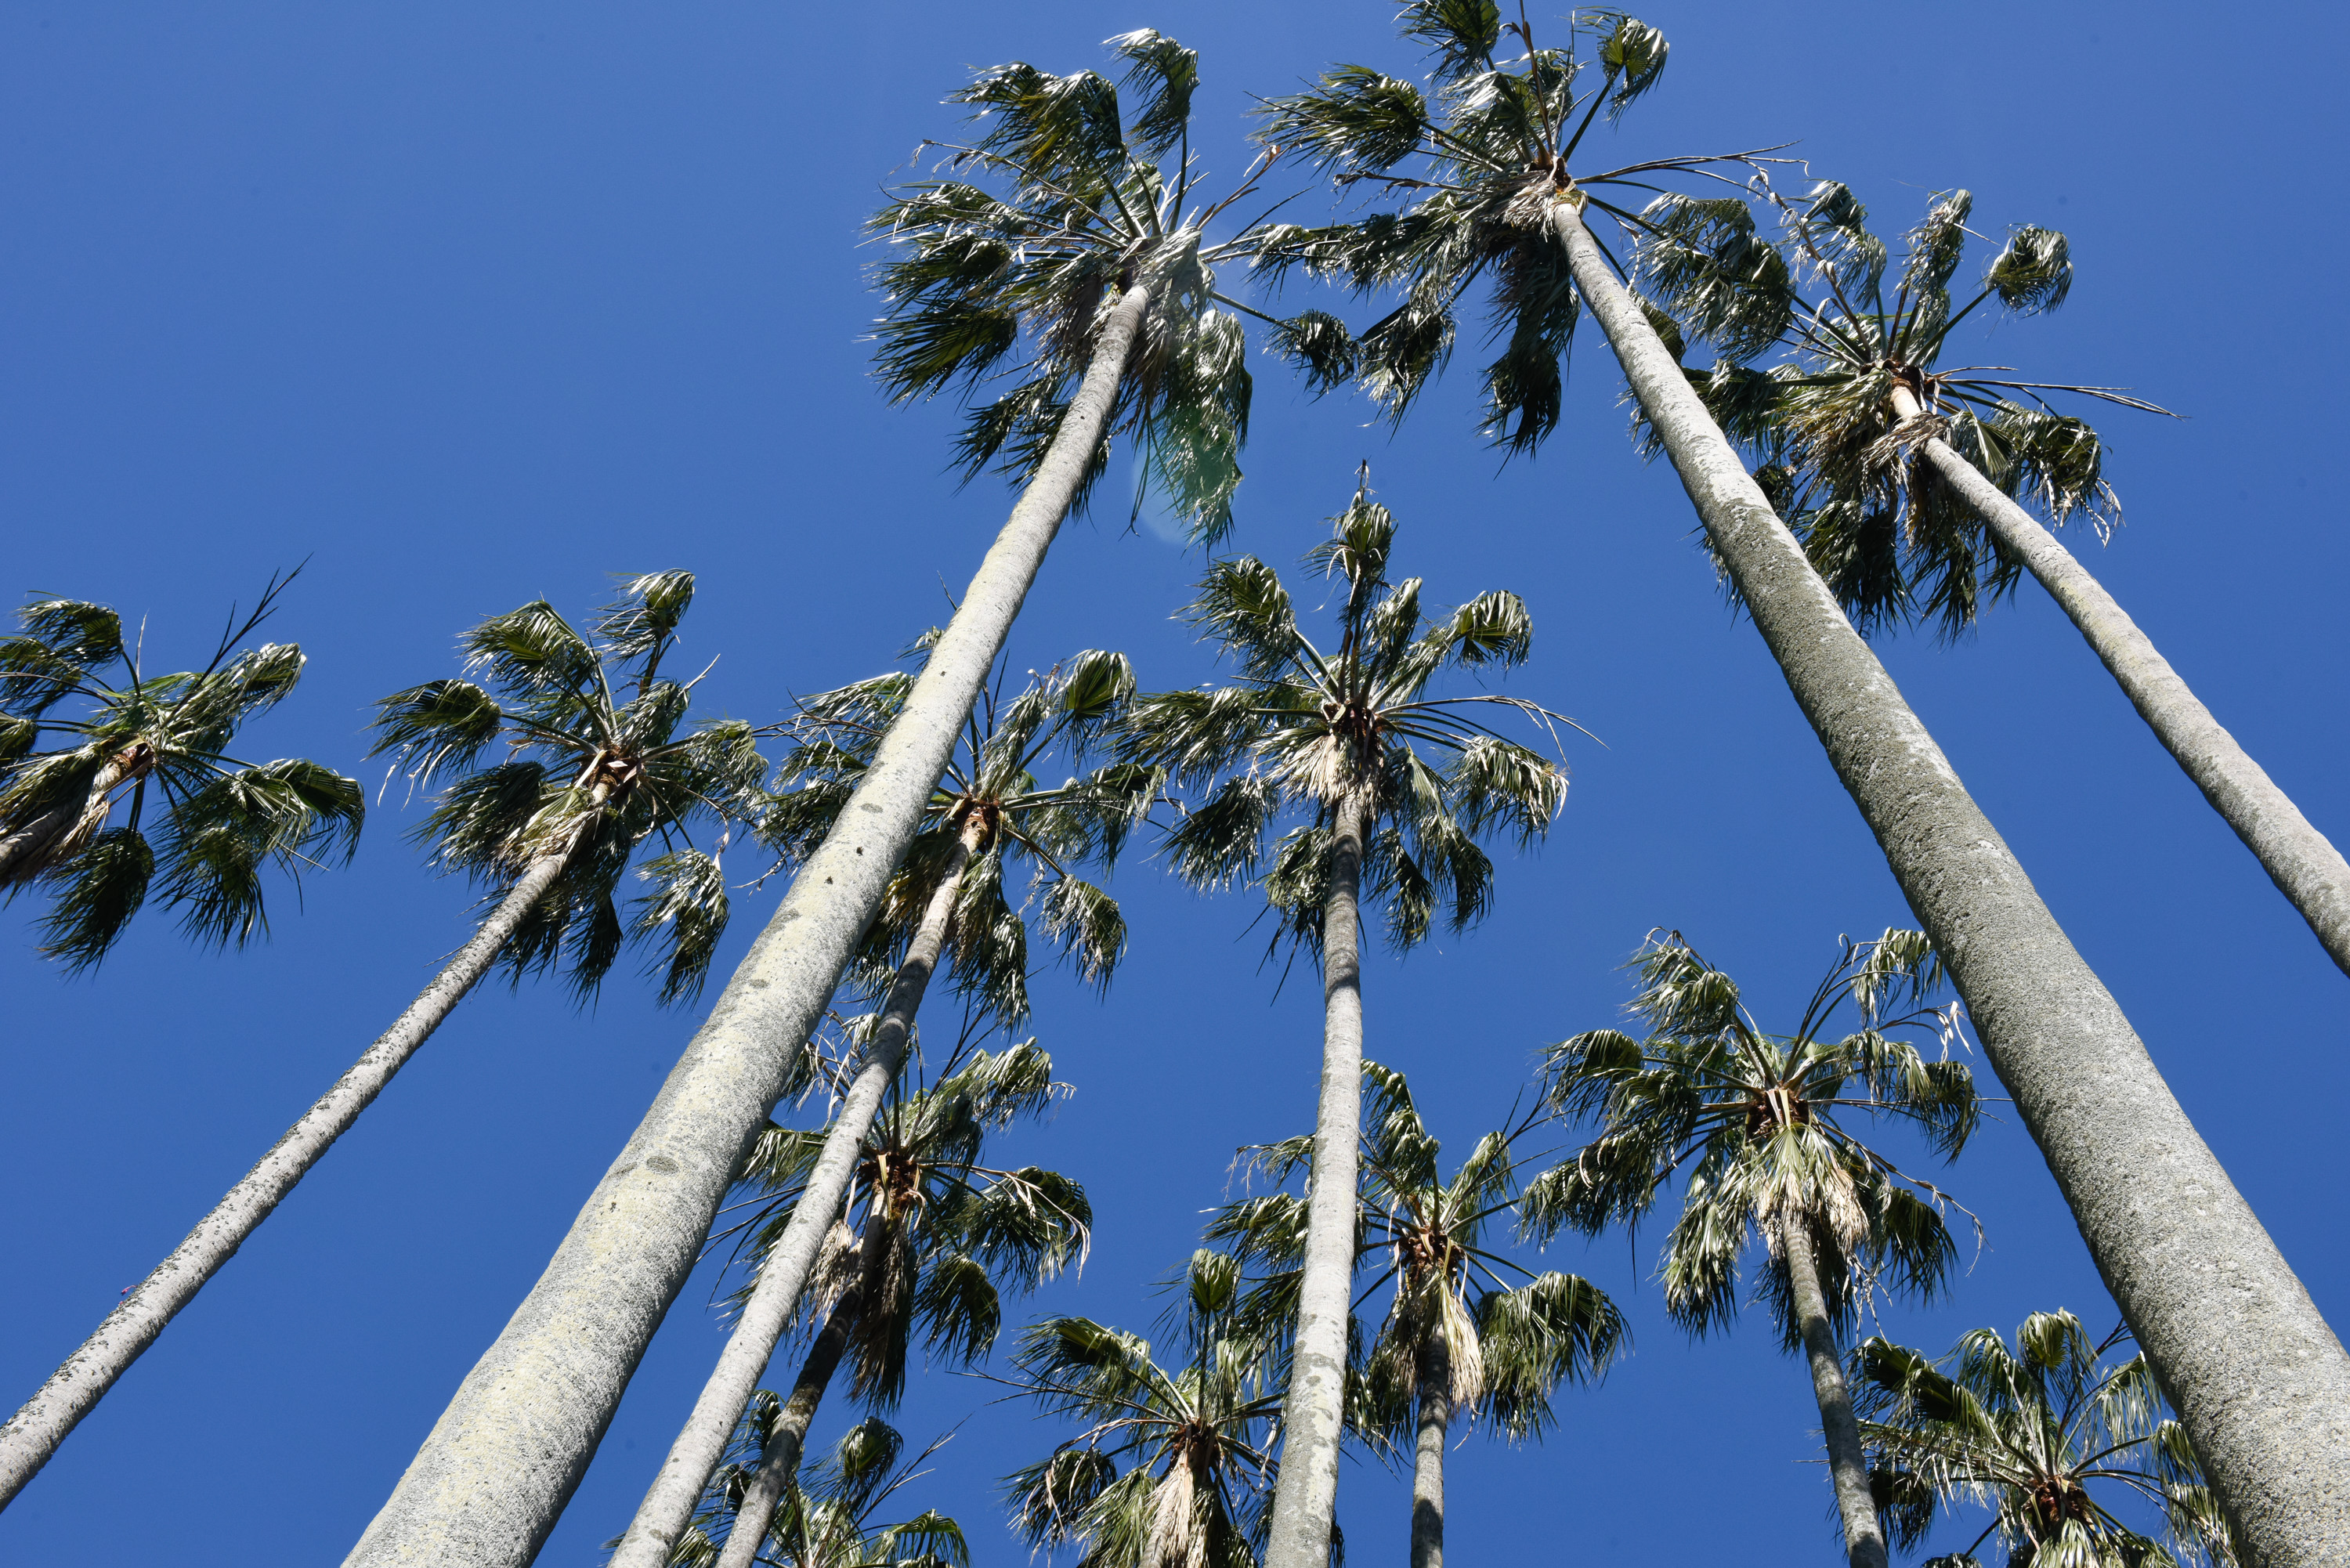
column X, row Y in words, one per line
column 1094, row 195
column 598, row 758
column 1477, row 153
column 2046, row 1433
column 1306, row 728
column 827, row 1516
column 1174, row 1468
column 959, row 1233
column 68, row 677
column 992, row 798
column 1845, row 470
column 1757, row 1121
column 1513, row 1336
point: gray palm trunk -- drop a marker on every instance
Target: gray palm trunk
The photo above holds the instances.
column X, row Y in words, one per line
column 2259, row 1380
column 499, row 1467
column 2301, row 861
column 779, row 1460
column 1435, row 1378
column 1314, row 1415
column 1864, row 1539
column 33, row 1434
column 667, row 1507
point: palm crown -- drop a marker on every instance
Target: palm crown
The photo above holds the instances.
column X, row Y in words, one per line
column 598, row 760
column 1489, row 141
column 2044, row 1433
column 992, row 798
column 223, row 820
column 1756, row 1121
column 1838, row 460
column 826, row 1520
column 1174, row 1467
column 1507, row 1337
column 1100, row 196
column 1309, row 730
column 955, row 1232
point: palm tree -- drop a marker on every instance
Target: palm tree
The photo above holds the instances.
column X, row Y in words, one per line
column 1905, row 479
column 946, row 901
column 2046, row 1435
column 2247, row 1360
column 944, row 1235
column 590, row 778
column 1084, row 280
column 1756, row 1122
column 1460, row 1339
column 1174, row 1467
column 1337, row 739
column 222, row 821
column 829, row 1523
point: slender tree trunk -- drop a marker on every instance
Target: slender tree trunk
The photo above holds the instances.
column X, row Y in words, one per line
column 1435, row 1378
column 1313, row 1420
column 1864, row 1538
column 33, row 1434
column 667, row 1507
column 2259, row 1380
column 779, row 1461
column 499, row 1467
column 2301, row 861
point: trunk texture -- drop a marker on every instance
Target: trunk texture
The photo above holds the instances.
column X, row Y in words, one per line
column 33, row 1434
column 1864, row 1540
column 667, row 1507
column 497, row 1468
column 2259, row 1380
column 779, row 1461
column 1427, row 1458
column 1312, row 1421
column 2301, row 861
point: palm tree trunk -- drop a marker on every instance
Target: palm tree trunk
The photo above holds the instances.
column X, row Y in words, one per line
column 2259, row 1380
column 33, row 1434
column 1435, row 1378
column 2301, row 861
column 497, row 1468
column 1306, row 1495
column 1864, row 1538
column 779, row 1461
column 667, row 1507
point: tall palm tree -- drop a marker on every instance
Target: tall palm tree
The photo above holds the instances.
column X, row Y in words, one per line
column 943, row 1236
column 1468, row 1331
column 990, row 810
column 593, row 773
column 1067, row 254
column 221, row 820
column 829, row 1523
column 2249, row 1360
column 1755, row 1121
column 2046, row 1434
column 1174, row 1467
column 1905, row 478
column 1388, row 786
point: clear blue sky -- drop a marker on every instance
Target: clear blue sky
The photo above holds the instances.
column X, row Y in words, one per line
column 473, row 305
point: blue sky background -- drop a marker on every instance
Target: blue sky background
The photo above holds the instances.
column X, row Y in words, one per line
column 473, row 305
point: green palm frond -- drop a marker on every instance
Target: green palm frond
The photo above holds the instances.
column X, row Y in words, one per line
column 2047, row 1435
column 198, row 824
column 1070, row 190
column 1268, row 760
column 599, row 762
column 1753, row 1126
